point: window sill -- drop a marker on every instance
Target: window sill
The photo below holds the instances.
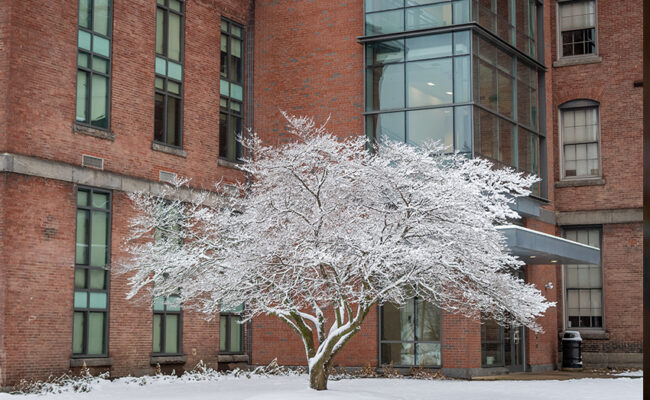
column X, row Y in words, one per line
column 162, row 360
column 579, row 60
column 91, row 362
column 94, row 132
column 580, row 182
column 588, row 334
column 168, row 149
column 229, row 358
column 228, row 164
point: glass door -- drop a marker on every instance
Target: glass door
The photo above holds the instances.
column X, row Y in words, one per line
column 513, row 340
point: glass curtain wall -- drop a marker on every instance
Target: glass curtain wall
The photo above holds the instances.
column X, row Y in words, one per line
column 514, row 21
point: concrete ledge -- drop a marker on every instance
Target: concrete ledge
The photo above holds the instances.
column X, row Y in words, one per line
column 580, row 182
column 612, row 360
column 168, row 149
column 565, row 62
column 228, row 164
column 94, row 132
column 541, row 368
column 232, row 358
column 91, row 362
column 620, row 216
column 42, row 168
column 162, row 360
column 469, row 373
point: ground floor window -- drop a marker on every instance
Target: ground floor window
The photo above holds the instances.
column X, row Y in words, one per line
column 167, row 326
column 410, row 334
column 231, row 331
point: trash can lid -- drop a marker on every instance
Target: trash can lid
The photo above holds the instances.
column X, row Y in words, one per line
column 572, row 335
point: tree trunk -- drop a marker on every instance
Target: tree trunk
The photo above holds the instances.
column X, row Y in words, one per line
column 318, row 377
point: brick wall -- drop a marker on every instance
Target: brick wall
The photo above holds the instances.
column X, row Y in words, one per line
column 5, row 23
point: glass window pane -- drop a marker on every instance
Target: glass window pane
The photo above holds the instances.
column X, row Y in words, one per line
column 84, row 39
column 235, row 335
column 223, row 135
column 84, row 13
column 485, row 135
column 572, row 276
column 398, row 353
column 224, row 88
column 378, row 5
column 83, row 60
column 385, row 22
column 82, row 96
column 505, row 94
column 428, row 322
column 463, row 128
column 385, row 52
column 223, row 327
column 78, row 333
column 224, row 56
column 161, row 66
column 159, row 303
column 387, row 126
column 506, row 143
column 160, row 83
column 101, row 46
column 487, row 85
column 100, row 200
column 385, row 87
column 157, row 333
column 461, row 42
column 430, row 125
column 171, row 333
column 159, row 110
column 528, row 151
column 431, row 46
column 175, row 71
column 429, row 83
column 96, row 325
column 98, row 300
column 462, row 75
column 173, row 303
column 175, row 5
column 173, row 121
column 101, row 10
column 173, row 87
column 224, row 26
column 99, row 239
column 97, row 279
column 236, row 60
column 428, row 354
column 160, row 29
column 99, row 102
column 80, row 299
column 237, row 92
column 428, row 16
column 461, row 11
column 235, row 30
column 100, row 65
column 79, row 278
column 81, row 252
column 82, row 197
column 174, row 37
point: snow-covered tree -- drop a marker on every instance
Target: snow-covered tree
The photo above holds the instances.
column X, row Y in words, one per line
column 324, row 230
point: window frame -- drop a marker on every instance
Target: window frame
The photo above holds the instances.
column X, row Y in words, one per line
column 415, row 341
column 573, row 105
column 87, row 267
column 228, row 316
column 559, row 41
column 164, row 91
column 233, row 147
column 565, row 317
column 89, row 70
column 163, row 328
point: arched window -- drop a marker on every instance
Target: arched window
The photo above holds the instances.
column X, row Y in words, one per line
column 580, row 139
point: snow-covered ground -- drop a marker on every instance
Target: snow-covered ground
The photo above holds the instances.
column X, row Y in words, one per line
column 295, row 388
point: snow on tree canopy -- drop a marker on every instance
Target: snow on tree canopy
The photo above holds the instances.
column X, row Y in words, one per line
column 323, row 230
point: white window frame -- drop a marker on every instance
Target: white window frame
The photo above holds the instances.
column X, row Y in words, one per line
column 570, row 106
column 558, row 29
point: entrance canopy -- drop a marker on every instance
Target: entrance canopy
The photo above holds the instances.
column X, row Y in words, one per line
column 535, row 247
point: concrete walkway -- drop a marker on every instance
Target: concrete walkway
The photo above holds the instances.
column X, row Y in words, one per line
column 556, row 375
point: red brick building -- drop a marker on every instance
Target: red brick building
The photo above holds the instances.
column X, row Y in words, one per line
column 102, row 97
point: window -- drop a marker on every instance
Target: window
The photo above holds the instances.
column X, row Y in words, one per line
column 94, row 63
column 167, row 325
column 492, row 344
column 413, row 86
column 583, row 284
column 92, row 274
column 169, row 72
column 231, row 331
column 410, row 334
column 231, row 88
column 514, row 21
column 579, row 132
column 577, row 23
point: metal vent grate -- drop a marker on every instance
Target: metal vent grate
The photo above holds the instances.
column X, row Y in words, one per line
column 168, row 177
column 92, row 162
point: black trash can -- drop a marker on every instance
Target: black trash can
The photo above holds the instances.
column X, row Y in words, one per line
column 571, row 350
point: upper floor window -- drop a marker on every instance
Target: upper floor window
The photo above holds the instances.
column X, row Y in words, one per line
column 577, row 24
column 391, row 16
column 580, row 137
column 231, row 88
column 94, row 63
column 169, row 72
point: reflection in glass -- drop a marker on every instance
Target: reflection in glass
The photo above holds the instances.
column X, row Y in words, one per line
column 385, row 87
column 431, row 125
column 429, row 82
